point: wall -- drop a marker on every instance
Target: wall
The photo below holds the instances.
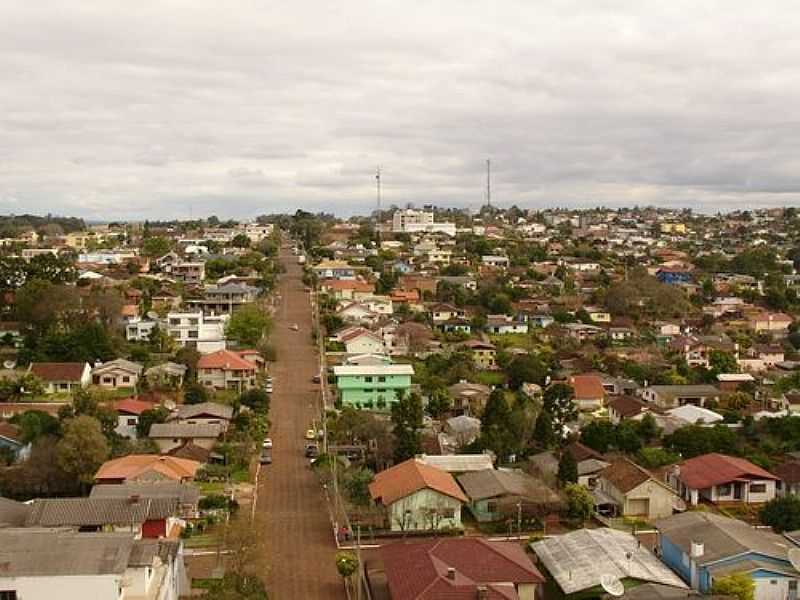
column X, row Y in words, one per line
column 661, row 499
column 74, row 587
column 417, row 503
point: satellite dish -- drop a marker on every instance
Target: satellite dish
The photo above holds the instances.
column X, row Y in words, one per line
column 794, row 558
column 151, row 314
column 612, row 586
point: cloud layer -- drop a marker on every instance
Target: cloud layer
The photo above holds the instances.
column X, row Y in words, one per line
column 187, row 108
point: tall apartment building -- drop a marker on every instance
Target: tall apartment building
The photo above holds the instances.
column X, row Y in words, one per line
column 419, row 221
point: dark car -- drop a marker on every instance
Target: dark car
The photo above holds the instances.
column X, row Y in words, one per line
column 315, row 379
column 265, row 458
column 312, row 451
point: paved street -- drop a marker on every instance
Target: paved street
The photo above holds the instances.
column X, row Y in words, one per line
column 298, row 527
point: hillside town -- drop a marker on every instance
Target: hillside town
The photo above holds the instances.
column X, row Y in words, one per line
column 423, row 403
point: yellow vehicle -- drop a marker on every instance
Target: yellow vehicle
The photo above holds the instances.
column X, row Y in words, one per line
column 311, row 435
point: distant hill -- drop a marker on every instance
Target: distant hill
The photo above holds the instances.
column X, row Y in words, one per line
column 12, row 225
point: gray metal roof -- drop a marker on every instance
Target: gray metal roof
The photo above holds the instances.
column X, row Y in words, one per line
column 721, row 536
column 185, row 430
column 184, row 493
column 41, row 552
column 12, row 512
column 212, row 409
column 459, row 463
column 96, row 512
column 577, row 560
column 489, row 483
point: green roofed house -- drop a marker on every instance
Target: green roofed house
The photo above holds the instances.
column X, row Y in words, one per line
column 372, row 387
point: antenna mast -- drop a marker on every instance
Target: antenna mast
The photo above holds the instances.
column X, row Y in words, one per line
column 378, row 213
column 488, row 182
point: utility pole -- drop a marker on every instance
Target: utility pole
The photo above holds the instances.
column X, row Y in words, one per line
column 488, row 182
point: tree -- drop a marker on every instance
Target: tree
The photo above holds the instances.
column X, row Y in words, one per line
column 497, row 428
column 256, row 399
column 195, row 393
column 526, row 369
column 558, row 401
column 346, row 563
column 438, row 403
column 738, row 585
column 648, row 428
column 567, row 468
column 598, row 435
column 248, row 325
column 357, row 485
column 240, row 241
column 580, row 504
column 148, row 417
column 782, row 513
column 407, row 421
column 154, row 247
column 543, row 434
column 236, row 587
column 82, row 449
column 35, row 424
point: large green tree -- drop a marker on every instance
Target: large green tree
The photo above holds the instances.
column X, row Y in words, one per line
column 497, row 427
column 248, row 325
column 82, row 449
column 407, row 426
column 782, row 514
column 559, row 402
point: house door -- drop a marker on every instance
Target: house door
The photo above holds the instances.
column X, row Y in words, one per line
column 737, row 491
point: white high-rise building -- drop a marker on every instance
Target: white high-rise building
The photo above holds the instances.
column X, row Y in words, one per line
column 419, row 221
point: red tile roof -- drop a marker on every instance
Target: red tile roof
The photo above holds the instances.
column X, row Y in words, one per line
column 58, row 371
column 134, row 465
column 10, row 432
column 411, row 476
column 419, row 570
column 132, row 406
column 587, row 387
column 708, row 470
column 225, row 359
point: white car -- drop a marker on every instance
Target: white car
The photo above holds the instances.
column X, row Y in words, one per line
column 294, row 327
column 267, row 443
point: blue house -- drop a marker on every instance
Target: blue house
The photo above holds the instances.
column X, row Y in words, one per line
column 673, row 276
column 10, row 440
column 702, row 547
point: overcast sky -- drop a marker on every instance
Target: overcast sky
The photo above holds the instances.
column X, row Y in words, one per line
column 119, row 109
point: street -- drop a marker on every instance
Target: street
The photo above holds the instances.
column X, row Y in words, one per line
column 290, row 498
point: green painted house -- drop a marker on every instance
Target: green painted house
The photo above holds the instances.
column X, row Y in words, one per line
column 372, row 387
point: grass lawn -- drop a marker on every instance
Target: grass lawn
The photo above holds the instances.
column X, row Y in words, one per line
column 490, row 377
column 201, row 540
column 211, row 487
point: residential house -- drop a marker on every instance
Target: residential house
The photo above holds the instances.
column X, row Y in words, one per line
column 372, row 387
column 496, row 495
column 458, row 463
column 358, row 340
column 169, row 436
column 720, row 478
column 695, row 415
column 226, row 370
column 770, row 322
column 166, row 374
column 495, row 261
column 43, row 563
column 469, row 398
column 62, row 377
column 138, row 329
column 673, row 276
column 503, row 324
column 583, row 332
column 119, row 373
column 672, row 396
column 128, row 412
column 185, row 495
column 590, row 395
column 730, row 382
column 357, row 312
column 445, row 312
column 627, row 490
column 189, row 272
column 598, row 315
column 452, row 568
column 788, row 474
column 334, row 269
column 347, row 289
column 223, row 299
column 146, row 467
column 484, row 354
column 144, row 517
column 458, row 431
column 579, row 560
column 703, row 547
column 204, row 413
column 623, row 408
column 590, row 463
column 418, row 497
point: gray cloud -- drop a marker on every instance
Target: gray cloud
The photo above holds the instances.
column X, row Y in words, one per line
column 110, row 110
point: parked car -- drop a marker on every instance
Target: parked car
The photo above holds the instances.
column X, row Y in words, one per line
column 266, row 457
column 267, row 443
column 294, row 327
column 312, row 451
column 311, row 434
column 316, row 379
column 268, row 388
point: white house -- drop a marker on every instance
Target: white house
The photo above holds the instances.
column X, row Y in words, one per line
column 206, row 333
column 119, row 373
column 62, row 377
column 722, row 478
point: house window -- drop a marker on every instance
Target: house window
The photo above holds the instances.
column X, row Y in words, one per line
column 724, row 490
column 8, row 595
column 382, row 379
column 368, row 379
column 491, row 507
column 192, row 333
column 758, row 488
column 126, row 379
column 131, row 422
column 448, row 513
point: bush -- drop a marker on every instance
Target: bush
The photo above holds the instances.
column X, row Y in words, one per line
column 782, row 514
column 214, row 502
column 653, row 458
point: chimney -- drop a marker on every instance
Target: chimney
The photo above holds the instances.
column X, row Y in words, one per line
column 483, row 592
column 451, row 573
column 697, row 550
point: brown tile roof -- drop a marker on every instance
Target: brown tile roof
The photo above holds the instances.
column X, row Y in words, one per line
column 419, row 570
column 225, row 359
column 581, row 452
column 628, row 406
column 411, row 476
column 587, row 387
column 625, row 475
column 191, row 451
column 708, row 470
column 71, row 371
column 135, row 465
column 788, row 471
column 132, row 406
